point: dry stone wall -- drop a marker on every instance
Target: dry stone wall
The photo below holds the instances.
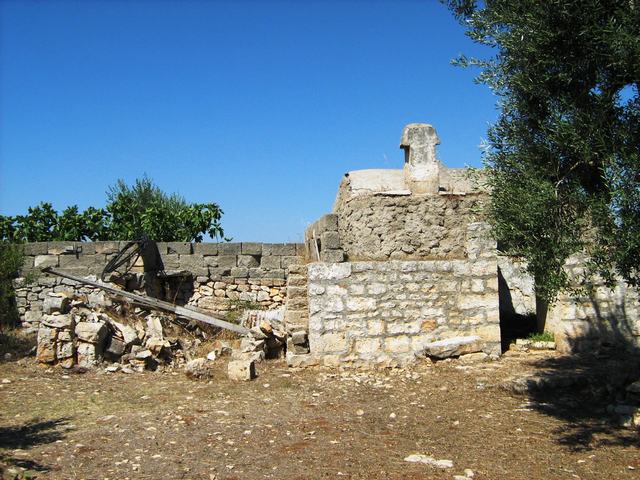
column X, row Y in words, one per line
column 224, row 276
column 386, row 313
column 580, row 322
column 383, row 227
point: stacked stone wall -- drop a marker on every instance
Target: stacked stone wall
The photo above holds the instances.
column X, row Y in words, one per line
column 397, row 227
column 385, row 313
column 580, row 321
column 224, row 276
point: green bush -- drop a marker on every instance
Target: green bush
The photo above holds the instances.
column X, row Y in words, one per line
column 130, row 212
column 11, row 260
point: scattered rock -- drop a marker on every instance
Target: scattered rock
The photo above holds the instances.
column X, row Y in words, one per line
column 198, row 369
column 241, row 370
column 419, row 458
column 453, row 347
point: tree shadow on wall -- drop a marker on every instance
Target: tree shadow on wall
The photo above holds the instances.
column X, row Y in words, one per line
column 587, row 389
column 29, row 435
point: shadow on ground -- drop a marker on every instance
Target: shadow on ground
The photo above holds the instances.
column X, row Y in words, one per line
column 16, row 344
column 587, row 390
column 29, row 435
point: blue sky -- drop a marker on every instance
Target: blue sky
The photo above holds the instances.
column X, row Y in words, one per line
column 259, row 106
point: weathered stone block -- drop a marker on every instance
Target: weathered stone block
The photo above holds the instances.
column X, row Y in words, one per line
column 229, row 249
column 296, row 292
column 56, row 304
column 199, row 369
column 287, row 261
column 72, row 261
column 241, row 370
column 358, row 304
column 281, row 249
column 271, row 262
column 32, row 316
column 328, row 343
column 35, row 248
column 275, row 274
column 227, row 261
column 327, row 271
column 328, row 222
column 332, row 256
column 89, row 354
column 115, row 347
column 330, row 240
column 251, row 248
column 59, row 321
column 454, row 347
column 64, row 350
column 300, row 338
column 296, row 280
column 42, row 261
column 182, row 248
column 206, row 249
column 58, row 248
column 248, row 261
column 46, row 351
column 240, row 272
column 91, row 332
column 301, row 361
column 108, row 248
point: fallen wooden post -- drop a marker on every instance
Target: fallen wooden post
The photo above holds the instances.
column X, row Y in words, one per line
column 185, row 312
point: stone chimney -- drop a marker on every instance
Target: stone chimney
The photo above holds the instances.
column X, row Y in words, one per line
column 421, row 168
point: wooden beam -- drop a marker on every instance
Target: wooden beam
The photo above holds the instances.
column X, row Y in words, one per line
column 187, row 312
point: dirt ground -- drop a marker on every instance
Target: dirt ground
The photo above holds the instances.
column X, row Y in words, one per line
column 308, row 424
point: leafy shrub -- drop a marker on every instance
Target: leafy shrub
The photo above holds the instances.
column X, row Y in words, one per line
column 130, row 212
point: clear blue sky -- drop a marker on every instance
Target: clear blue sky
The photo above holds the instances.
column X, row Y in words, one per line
column 259, row 106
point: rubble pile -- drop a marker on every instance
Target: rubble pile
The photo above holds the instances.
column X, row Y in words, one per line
column 74, row 332
column 85, row 332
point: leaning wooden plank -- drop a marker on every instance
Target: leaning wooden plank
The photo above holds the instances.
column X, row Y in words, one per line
column 155, row 303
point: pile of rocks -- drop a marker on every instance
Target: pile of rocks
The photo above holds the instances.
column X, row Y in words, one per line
column 73, row 334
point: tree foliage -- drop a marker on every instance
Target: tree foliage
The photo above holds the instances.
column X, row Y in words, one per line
column 130, row 212
column 144, row 208
column 11, row 261
column 563, row 159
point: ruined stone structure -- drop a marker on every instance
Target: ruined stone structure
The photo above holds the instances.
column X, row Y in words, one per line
column 404, row 267
column 404, row 262
column 223, row 275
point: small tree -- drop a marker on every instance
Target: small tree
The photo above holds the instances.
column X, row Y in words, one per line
column 563, row 159
column 145, row 208
column 130, row 212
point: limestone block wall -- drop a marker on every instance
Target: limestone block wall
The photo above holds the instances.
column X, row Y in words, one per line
column 322, row 240
column 580, row 322
column 385, row 226
column 384, row 312
column 224, row 276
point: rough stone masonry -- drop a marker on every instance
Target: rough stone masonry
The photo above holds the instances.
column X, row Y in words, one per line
column 403, row 267
column 403, row 263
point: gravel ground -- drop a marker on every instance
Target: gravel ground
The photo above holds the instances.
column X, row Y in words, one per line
column 314, row 423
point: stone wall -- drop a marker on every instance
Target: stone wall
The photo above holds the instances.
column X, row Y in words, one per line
column 215, row 260
column 384, row 226
column 386, row 312
column 322, row 240
column 224, row 276
column 579, row 321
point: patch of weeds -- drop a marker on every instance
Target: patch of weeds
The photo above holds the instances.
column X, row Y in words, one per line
column 238, row 307
column 541, row 337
